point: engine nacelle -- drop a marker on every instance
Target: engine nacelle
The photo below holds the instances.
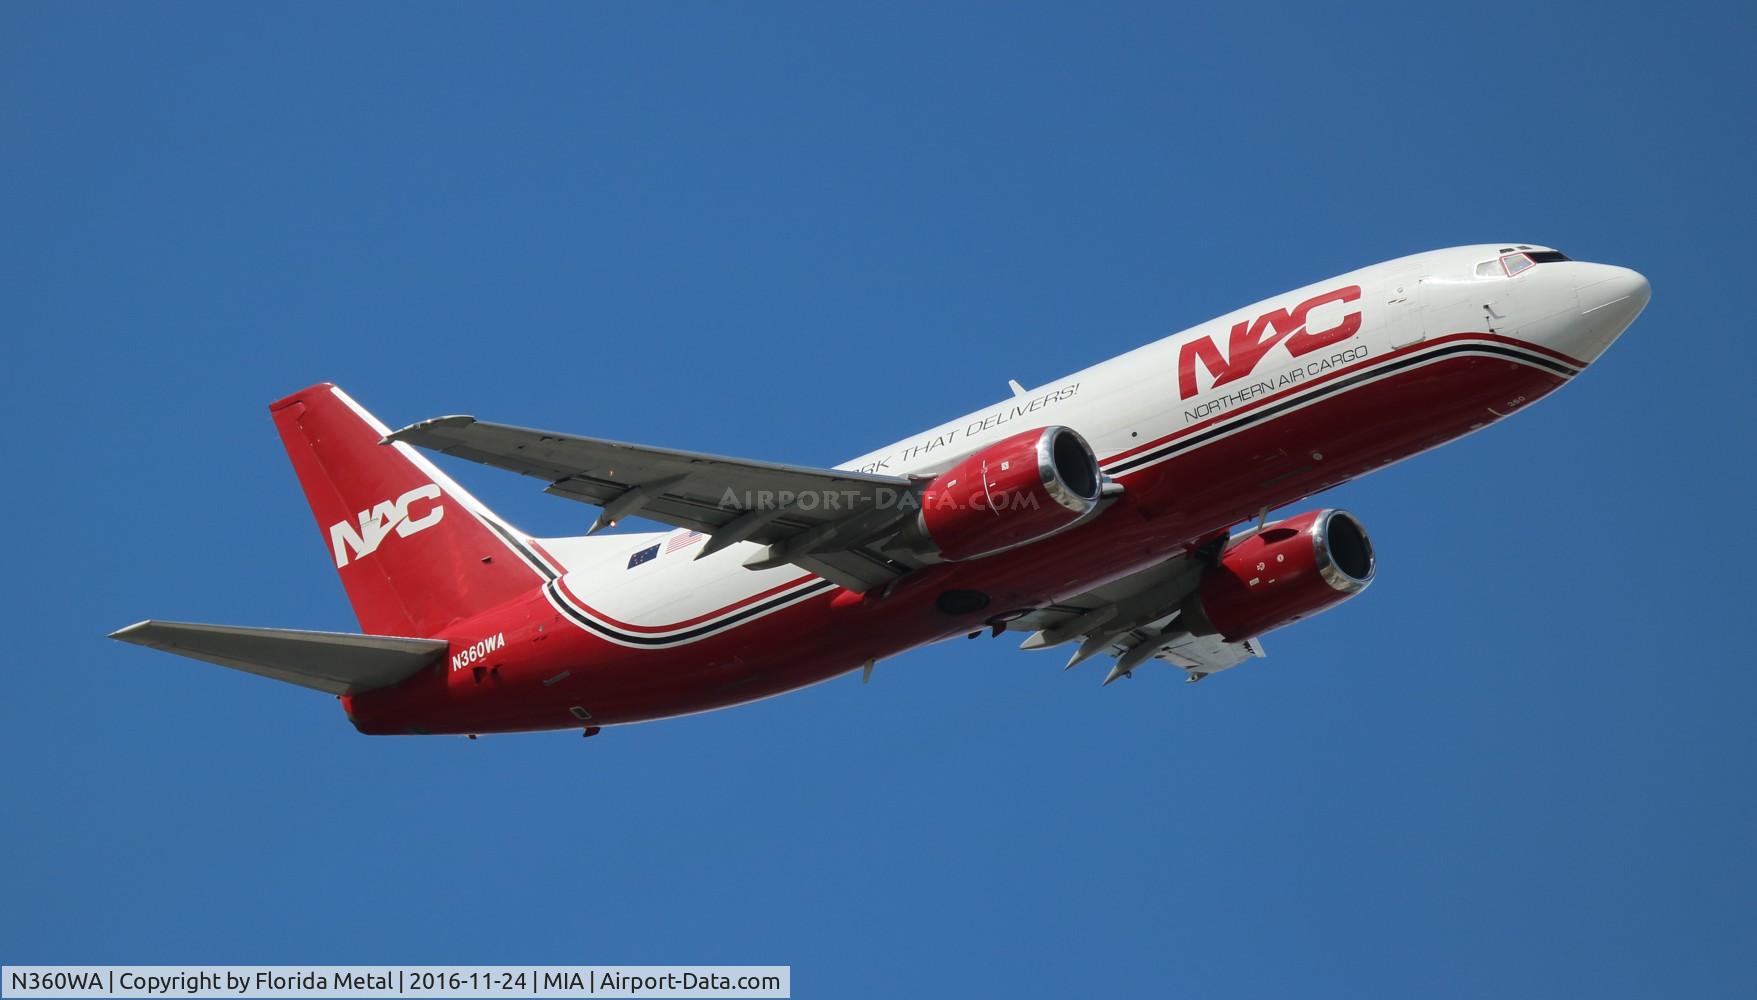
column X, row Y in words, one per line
column 1290, row 570
column 1014, row 491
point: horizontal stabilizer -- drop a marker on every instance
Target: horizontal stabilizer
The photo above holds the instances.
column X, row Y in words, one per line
column 336, row 662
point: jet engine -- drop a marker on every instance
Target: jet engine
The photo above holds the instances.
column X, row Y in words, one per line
column 1014, row 491
column 1290, row 570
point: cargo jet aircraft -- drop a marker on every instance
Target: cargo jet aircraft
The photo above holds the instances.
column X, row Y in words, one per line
column 1092, row 512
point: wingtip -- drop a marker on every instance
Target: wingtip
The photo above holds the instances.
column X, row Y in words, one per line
column 403, row 434
column 125, row 634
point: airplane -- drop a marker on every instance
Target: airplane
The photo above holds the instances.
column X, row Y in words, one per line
column 1095, row 512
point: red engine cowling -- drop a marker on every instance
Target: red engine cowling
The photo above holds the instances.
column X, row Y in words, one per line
column 1290, row 570
column 1014, row 491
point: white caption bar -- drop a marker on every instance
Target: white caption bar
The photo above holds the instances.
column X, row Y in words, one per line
column 395, row 981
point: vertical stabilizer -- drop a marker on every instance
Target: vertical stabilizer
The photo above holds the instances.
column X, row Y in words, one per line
column 414, row 550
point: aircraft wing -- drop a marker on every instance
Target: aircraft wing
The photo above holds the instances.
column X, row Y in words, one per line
column 830, row 522
column 1135, row 619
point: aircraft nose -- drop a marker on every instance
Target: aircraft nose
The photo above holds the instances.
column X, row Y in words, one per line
column 1610, row 299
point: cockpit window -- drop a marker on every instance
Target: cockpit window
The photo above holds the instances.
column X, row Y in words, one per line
column 1513, row 263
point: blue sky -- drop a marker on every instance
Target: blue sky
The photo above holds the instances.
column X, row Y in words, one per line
column 1521, row 763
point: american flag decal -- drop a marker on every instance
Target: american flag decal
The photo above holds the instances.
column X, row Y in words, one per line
column 683, row 541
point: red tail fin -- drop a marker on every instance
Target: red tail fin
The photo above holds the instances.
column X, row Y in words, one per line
column 415, row 552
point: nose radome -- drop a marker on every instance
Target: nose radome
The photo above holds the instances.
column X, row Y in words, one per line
column 1610, row 299
column 1607, row 286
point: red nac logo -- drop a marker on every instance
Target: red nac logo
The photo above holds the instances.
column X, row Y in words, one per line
column 1249, row 342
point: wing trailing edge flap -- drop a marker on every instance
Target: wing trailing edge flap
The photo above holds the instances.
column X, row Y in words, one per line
column 1136, row 619
column 335, row 662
